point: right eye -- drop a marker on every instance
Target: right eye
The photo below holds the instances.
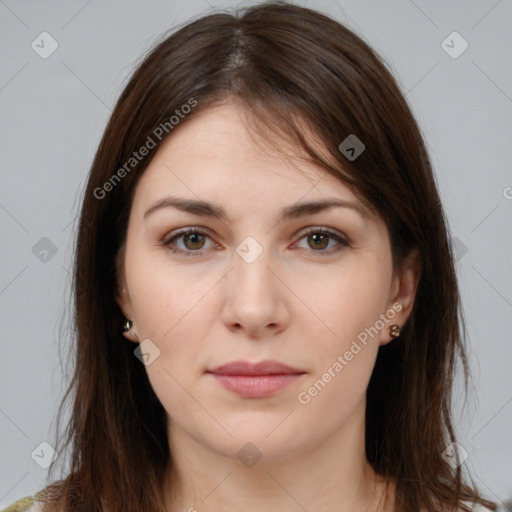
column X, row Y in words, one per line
column 193, row 240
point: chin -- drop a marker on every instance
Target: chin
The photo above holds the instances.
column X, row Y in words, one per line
column 265, row 443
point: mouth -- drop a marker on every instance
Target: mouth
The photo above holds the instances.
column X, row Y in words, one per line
column 255, row 380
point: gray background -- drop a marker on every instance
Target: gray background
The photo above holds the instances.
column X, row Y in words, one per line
column 53, row 112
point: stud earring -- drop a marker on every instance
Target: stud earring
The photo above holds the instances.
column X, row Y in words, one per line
column 394, row 330
column 127, row 326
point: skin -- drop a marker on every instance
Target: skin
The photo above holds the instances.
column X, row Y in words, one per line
column 292, row 304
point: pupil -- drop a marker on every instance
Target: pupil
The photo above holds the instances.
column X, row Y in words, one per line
column 194, row 238
column 315, row 239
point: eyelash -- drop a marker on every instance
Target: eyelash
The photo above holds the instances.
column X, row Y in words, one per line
column 309, row 231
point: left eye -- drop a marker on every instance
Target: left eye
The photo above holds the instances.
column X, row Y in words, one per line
column 319, row 239
column 193, row 240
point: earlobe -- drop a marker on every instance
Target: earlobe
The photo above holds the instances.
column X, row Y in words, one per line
column 131, row 336
column 123, row 300
column 128, row 332
column 403, row 293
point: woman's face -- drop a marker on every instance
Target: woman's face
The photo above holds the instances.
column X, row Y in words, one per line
column 254, row 285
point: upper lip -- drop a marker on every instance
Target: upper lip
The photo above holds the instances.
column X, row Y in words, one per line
column 267, row 367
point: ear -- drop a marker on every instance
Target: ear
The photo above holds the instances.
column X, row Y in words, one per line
column 122, row 298
column 403, row 292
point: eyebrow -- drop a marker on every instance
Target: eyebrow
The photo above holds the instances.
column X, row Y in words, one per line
column 294, row 211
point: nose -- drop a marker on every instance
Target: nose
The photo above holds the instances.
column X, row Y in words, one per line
column 256, row 298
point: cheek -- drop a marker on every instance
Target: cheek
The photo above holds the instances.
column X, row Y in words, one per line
column 344, row 355
column 166, row 297
column 336, row 395
column 350, row 306
column 175, row 308
column 350, row 300
column 176, row 314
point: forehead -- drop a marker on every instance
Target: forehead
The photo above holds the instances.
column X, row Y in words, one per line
column 215, row 155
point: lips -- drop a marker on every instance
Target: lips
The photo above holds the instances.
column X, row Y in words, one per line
column 255, row 380
column 245, row 368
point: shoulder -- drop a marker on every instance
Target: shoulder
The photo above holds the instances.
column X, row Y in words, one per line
column 26, row 504
column 29, row 503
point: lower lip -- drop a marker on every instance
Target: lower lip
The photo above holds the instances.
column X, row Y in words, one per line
column 256, row 386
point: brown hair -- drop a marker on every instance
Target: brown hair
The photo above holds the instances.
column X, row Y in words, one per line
column 287, row 66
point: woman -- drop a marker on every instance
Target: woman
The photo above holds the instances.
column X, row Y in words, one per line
column 261, row 223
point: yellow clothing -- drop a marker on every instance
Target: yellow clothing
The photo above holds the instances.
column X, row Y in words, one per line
column 27, row 504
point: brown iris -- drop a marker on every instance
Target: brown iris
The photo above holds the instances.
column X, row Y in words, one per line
column 319, row 238
column 197, row 240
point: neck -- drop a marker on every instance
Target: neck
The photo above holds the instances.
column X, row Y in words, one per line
column 333, row 475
